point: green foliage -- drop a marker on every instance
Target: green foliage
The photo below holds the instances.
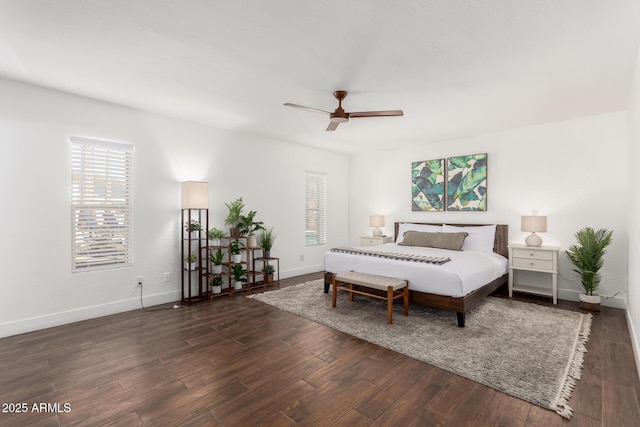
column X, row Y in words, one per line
column 216, row 281
column 235, row 212
column 269, row 269
column 215, row 233
column 587, row 256
column 190, row 258
column 192, row 226
column 267, row 237
column 236, row 247
column 466, row 186
column 427, row 185
column 238, row 271
column 247, row 225
column 218, row 257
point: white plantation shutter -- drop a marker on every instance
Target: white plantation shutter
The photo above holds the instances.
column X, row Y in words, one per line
column 316, row 208
column 100, row 203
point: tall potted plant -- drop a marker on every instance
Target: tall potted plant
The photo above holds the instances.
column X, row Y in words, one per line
column 234, row 216
column 267, row 237
column 216, row 260
column 587, row 255
column 238, row 272
column 248, row 226
column 215, row 235
column 236, row 248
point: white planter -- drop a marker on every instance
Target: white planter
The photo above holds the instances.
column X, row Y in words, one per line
column 190, row 265
column 591, row 299
column 252, row 242
column 217, row 289
column 237, row 285
column 215, row 242
column 216, row 269
column 236, row 259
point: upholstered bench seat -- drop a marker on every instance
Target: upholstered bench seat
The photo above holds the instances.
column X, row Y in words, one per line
column 393, row 288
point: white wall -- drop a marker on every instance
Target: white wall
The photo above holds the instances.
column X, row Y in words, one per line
column 633, row 308
column 574, row 171
column 37, row 287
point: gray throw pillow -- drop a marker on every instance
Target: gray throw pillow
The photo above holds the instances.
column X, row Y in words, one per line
column 451, row 241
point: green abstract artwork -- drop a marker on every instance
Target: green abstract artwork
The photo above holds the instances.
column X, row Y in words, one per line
column 428, row 185
column 467, row 183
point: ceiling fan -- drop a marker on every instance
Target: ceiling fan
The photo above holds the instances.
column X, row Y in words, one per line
column 341, row 116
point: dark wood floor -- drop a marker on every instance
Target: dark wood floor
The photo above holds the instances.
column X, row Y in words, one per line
column 237, row 361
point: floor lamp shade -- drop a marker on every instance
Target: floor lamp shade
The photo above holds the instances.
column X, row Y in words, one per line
column 533, row 223
column 376, row 221
column 195, row 195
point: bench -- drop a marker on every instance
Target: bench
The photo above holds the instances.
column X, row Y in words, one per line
column 392, row 289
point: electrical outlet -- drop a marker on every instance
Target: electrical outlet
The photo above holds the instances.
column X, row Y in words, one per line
column 139, row 281
column 167, row 277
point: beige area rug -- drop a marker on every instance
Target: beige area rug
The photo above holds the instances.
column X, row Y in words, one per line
column 529, row 351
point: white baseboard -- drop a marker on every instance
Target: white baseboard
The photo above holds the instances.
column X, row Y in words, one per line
column 300, row 271
column 64, row 317
column 615, row 302
column 634, row 342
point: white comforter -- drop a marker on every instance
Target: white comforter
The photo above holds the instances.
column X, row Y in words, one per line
column 466, row 272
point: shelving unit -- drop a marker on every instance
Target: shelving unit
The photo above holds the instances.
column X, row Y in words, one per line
column 193, row 242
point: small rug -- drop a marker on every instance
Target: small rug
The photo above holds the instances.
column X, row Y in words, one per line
column 532, row 352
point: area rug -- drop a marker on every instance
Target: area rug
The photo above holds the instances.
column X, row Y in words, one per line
column 532, row 352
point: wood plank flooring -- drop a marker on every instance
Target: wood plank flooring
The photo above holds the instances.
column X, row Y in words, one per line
column 237, row 362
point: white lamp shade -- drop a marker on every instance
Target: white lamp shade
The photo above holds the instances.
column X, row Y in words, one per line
column 534, row 223
column 195, row 195
column 376, row 221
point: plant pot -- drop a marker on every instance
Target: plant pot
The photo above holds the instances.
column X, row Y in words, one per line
column 237, row 285
column 233, row 232
column 217, row 289
column 216, row 269
column 236, row 258
column 194, row 235
column 267, row 254
column 252, row 241
column 190, row 265
column 590, row 302
column 268, row 278
column 215, row 242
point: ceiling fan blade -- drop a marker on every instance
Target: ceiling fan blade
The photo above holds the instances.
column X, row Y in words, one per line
column 332, row 126
column 316, row 110
column 376, row 113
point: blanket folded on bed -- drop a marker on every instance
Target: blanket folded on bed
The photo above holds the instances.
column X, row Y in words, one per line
column 393, row 255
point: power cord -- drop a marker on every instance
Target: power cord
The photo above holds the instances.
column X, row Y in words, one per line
column 155, row 309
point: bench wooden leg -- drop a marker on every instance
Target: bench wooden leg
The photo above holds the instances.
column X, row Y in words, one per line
column 335, row 291
column 351, row 293
column 390, row 304
column 406, row 300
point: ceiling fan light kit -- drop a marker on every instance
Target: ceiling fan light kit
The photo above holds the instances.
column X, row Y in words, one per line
column 341, row 116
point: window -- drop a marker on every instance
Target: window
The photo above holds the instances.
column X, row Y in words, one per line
column 100, row 204
column 316, row 208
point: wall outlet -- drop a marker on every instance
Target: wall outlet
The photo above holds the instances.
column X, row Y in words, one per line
column 139, row 281
column 167, row 277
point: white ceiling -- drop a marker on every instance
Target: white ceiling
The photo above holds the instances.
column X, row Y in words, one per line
column 456, row 67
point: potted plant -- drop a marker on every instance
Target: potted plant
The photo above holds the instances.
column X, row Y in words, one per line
column 216, row 284
column 267, row 237
column 236, row 248
column 215, row 235
column 193, row 227
column 248, row 226
column 216, row 260
column 234, row 215
column 238, row 271
column 587, row 257
column 190, row 261
column 269, row 270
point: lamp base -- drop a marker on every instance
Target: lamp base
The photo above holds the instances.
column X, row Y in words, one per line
column 377, row 232
column 533, row 240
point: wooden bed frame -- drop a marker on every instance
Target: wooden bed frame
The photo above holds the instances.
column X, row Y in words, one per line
column 460, row 304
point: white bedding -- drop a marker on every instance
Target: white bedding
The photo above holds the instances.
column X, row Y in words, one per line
column 466, row 272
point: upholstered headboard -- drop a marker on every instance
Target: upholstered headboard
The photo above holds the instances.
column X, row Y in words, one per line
column 500, row 244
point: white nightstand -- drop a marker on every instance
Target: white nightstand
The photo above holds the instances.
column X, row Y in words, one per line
column 543, row 259
column 372, row 241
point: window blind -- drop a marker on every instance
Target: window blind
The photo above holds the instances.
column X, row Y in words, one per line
column 100, row 203
column 316, row 208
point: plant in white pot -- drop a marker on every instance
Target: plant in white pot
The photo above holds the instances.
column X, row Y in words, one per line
column 216, row 285
column 190, row 261
column 216, row 261
column 267, row 237
column 215, row 235
column 587, row 255
column 248, row 227
column 238, row 272
column 193, row 228
column 236, row 248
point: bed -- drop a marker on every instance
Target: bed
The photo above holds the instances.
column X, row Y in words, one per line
column 457, row 285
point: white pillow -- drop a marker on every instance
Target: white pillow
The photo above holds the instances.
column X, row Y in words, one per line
column 480, row 238
column 408, row 226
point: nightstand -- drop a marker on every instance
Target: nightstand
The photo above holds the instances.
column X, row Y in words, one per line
column 543, row 259
column 372, row 241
